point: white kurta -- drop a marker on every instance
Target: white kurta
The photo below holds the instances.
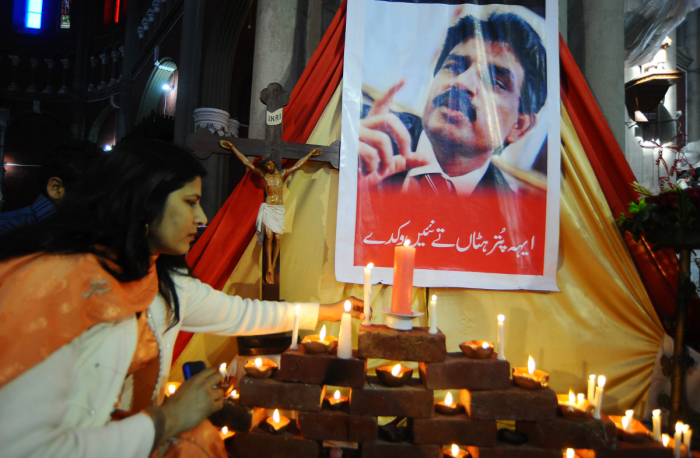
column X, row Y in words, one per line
column 62, row 406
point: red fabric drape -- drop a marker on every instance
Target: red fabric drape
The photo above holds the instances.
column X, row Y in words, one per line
column 658, row 269
column 219, row 249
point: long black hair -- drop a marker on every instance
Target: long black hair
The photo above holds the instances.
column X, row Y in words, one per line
column 108, row 210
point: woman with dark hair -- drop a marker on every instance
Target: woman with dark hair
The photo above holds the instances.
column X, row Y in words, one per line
column 91, row 302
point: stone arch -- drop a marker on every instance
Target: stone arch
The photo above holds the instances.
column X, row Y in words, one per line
column 154, row 87
column 99, row 121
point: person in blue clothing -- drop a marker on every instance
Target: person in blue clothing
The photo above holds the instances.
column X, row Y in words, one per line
column 59, row 173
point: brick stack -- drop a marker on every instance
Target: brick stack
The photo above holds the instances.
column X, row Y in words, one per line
column 486, row 391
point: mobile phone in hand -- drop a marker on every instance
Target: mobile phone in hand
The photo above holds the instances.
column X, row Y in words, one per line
column 192, row 368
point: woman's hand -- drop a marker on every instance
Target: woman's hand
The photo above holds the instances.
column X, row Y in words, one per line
column 333, row 312
column 194, row 401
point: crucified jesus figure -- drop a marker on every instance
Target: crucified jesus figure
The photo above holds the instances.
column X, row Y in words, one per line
column 271, row 213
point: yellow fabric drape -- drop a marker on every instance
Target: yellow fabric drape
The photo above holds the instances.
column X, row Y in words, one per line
column 602, row 321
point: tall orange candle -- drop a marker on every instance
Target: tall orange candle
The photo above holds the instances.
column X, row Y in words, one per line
column 404, row 260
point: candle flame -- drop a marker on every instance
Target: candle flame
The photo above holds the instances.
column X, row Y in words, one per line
column 336, row 395
column 656, row 413
column 258, row 362
column 591, row 377
column 501, row 318
column 580, row 398
column 664, row 439
column 485, row 345
column 629, row 413
column 224, row 430
column 396, row 370
column 171, row 389
column 276, row 416
column 625, row 422
column 222, row 368
column 297, row 308
column 679, row 427
column 322, row 334
column 601, row 381
column 454, row 450
column 530, row 365
column 572, row 397
column 407, row 242
column 370, row 266
column 448, row 399
column 347, row 306
column 234, row 394
column 570, row 453
column 434, row 298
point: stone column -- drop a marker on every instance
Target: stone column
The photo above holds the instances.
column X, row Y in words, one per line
column 93, row 66
column 113, row 79
column 104, row 58
column 65, row 62
column 130, row 52
column 13, row 77
column 283, row 30
column 34, row 63
column 49, row 76
column 596, row 37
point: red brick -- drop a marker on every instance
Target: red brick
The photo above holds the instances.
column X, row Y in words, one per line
column 258, row 444
column 411, row 400
column 460, row 372
column 272, row 393
column 510, row 404
column 563, row 433
column 335, row 425
column 381, row 449
column 629, row 450
column 457, row 429
column 298, row 366
column 416, row 345
column 237, row 417
column 513, row 451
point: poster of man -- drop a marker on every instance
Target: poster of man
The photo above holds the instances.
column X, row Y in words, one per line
column 451, row 140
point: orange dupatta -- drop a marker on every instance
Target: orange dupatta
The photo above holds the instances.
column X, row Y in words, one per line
column 46, row 301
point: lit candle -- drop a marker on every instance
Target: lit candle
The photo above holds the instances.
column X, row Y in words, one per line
column 626, row 423
column 234, row 395
column 368, row 293
column 171, row 387
column 599, row 397
column 223, row 371
column 336, row 400
column 572, row 397
column 687, row 436
column 433, row 318
column 345, row 336
column 581, row 401
column 629, row 414
column 277, row 423
column 664, row 439
column 295, row 330
column 225, row 433
column 501, row 342
column 656, row 421
column 677, row 440
column 591, row 388
column 402, row 291
column 570, row 453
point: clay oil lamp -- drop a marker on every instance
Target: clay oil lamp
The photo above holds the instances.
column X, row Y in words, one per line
column 394, row 376
column 336, row 401
column 629, row 429
column 454, row 451
column 277, row 423
column 225, row 433
column 569, row 406
column 530, row 377
column 234, row 396
column 320, row 344
column 260, row 368
column 477, row 349
column 448, row 407
column 171, row 388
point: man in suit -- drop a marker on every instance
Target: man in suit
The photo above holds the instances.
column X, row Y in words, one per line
column 489, row 84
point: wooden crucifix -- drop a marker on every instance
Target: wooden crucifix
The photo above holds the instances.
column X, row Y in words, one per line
column 272, row 150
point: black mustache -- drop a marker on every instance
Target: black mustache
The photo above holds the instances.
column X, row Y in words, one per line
column 457, row 99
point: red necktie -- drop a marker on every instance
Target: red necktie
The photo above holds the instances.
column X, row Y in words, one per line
column 436, row 183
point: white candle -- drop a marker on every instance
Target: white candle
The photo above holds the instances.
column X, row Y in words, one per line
column 629, row 414
column 677, row 440
column 664, row 440
column 223, row 371
column 656, row 421
column 433, row 318
column 580, row 398
column 687, row 435
column 501, row 344
column 599, row 397
column 295, row 331
column 591, row 388
column 368, row 293
column 345, row 337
